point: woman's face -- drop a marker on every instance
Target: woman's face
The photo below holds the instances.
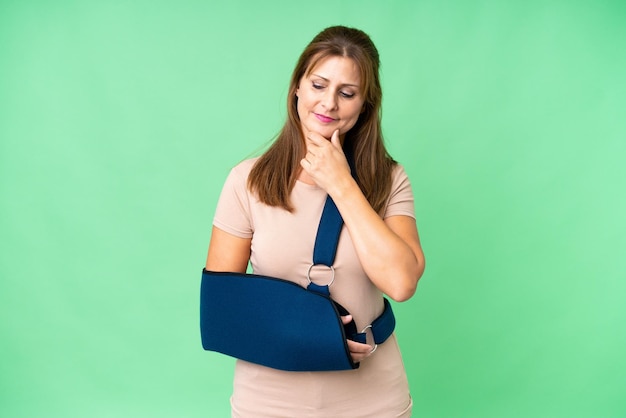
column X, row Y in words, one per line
column 330, row 97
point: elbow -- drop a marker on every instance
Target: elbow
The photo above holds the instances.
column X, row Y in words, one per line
column 405, row 291
column 401, row 296
column 407, row 286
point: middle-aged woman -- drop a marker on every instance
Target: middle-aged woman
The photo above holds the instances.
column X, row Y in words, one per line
column 268, row 215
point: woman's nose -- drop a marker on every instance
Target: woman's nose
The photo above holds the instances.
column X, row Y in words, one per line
column 329, row 101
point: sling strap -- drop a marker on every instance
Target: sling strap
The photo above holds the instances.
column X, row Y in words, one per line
column 326, row 243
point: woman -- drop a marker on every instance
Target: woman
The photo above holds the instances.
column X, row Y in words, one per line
column 268, row 215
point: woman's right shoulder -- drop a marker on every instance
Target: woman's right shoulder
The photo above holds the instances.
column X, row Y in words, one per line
column 243, row 168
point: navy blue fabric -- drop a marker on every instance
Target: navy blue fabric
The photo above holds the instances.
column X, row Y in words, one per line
column 330, row 225
column 383, row 326
column 324, row 290
column 272, row 322
column 328, row 232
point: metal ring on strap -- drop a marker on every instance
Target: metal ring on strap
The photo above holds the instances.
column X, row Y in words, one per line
column 332, row 279
column 375, row 345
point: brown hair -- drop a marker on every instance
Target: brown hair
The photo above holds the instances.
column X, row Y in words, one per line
column 275, row 173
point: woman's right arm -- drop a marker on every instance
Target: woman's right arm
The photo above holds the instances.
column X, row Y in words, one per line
column 228, row 252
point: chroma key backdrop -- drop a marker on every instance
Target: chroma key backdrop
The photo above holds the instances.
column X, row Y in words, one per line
column 119, row 121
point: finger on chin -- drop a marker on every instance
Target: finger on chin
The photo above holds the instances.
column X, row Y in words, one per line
column 316, row 137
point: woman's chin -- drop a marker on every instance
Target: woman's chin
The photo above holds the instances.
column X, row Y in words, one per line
column 325, row 131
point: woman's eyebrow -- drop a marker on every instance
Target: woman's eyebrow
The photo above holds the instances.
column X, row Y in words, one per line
column 325, row 79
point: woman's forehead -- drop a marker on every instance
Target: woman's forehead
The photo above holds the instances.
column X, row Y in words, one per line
column 333, row 66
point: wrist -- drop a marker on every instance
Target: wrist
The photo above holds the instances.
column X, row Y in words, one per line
column 343, row 189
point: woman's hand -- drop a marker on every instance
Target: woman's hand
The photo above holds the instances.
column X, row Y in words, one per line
column 358, row 351
column 325, row 162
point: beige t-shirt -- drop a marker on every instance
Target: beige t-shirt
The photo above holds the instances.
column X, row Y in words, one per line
column 282, row 246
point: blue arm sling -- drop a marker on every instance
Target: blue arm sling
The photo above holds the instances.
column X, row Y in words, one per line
column 279, row 324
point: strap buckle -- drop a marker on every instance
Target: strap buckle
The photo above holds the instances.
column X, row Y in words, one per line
column 364, row 330
column 308, row 275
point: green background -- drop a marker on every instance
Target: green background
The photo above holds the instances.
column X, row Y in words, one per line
column 119, row 121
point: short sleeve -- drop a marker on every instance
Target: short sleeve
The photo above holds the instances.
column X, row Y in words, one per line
column 400, row 200
column 233, row 213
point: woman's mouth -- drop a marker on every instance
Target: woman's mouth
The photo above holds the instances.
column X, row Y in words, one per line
column 323, row 118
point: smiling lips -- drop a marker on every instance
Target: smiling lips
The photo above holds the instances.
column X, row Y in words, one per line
column 324, row 119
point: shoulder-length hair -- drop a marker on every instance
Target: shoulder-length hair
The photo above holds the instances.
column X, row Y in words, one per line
column 275, row 173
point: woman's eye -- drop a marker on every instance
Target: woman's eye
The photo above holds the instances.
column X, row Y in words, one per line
column 317, row 86
column 347, row 95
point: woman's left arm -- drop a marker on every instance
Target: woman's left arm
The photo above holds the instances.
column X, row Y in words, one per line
column 389, row 249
